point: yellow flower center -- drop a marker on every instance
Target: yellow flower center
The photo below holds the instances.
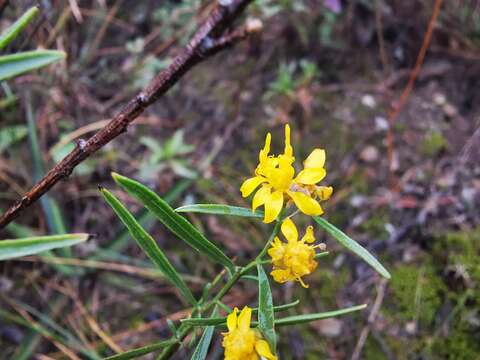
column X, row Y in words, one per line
column 240, row 344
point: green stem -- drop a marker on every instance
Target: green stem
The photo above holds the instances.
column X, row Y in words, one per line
column 275, row 231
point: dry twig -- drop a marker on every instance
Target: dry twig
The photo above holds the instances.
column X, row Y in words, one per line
column 210, row 38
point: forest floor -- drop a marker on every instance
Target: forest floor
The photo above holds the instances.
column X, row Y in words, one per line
column 334, row 78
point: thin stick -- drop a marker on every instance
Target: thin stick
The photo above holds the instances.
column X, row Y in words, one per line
column 207, row 41
column 371, row 319
column 395, row 110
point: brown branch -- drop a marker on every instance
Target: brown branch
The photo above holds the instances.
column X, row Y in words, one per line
column 207, row 40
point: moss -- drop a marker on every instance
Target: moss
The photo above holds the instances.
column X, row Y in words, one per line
column 417, row 293
column 433, row 144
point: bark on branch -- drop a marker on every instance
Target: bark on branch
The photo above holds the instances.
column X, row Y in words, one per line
column 211, row 37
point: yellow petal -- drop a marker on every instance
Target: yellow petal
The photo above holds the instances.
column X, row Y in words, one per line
column 309, row 237
column 305, row 203
column 310, row 176
column 245, row 318
column 251, row 184
column 281, row 275
column 260, row 197
column 289, row 230
column 273, row 206
column 232, row 320
column 316, row 159
column 266, row 149
column 288, row 147
column 324, row 192
column 262, row 348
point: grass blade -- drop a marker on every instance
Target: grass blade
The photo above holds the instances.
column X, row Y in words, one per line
column 266, row 318
column 219, row 209
column 134, row 353
column 176, row 223
column 148, row 245
column 16, row 64
column 352, row 245
column 12, row 32
column 10, row 249
column 300, row 319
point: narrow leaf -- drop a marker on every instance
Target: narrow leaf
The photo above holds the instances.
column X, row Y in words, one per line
column 135, row 353
column 352, row 245
column 300, row 319
column 16, row 64
column 201, row 350
column 148, row 245
column 266, row 318
column 222, row 320
column 14, row 248
column 173, row 221
column 219, row 209
column 12, row 32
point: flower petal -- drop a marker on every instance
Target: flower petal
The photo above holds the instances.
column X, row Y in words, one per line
column 251, row 184
column 282, row 275
column 232, row 320
column 309, row 237
column 289, row 230
column 266, row 149
column 245, row 318
column 324, row 192
column 263, row 349
column 310, row 176
column 305, row 203
column 316, row 159
column 260, row 197
column 288, row 147
column 273, row 206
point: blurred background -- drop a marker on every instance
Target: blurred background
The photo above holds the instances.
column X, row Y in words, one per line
column 333, row 70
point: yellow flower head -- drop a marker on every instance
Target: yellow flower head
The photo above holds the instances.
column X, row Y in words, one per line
column 276, row 174
column 242, row 342
column 294, row 259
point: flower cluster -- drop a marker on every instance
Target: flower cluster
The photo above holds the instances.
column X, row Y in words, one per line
column 296, row 258
column 276, row 175
column 242, row 342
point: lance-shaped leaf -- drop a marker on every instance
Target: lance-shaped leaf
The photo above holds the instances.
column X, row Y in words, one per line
column 12, row 32
column 300, row 319
column 266, row 318
column 16, row 64
column 135, row 353
column 352, row 245
column 289, row 320
column 201, row 350
column 148, row 245
column 219, row 209
column 176, row 223
column 14, row 248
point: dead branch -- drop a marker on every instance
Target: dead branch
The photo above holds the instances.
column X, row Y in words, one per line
column 211, row 37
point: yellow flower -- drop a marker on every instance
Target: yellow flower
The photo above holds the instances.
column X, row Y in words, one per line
column 242, row 342
column 276, row 175
column 294, row 259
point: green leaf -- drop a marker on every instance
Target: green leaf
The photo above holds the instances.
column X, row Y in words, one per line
column 135, row 353
column 175, row 223
column 266, row 318
column 218, row 209
column 352, row 245
column 148, row 245
column 300, row 319
column 222, row 320
column 14, row 248
column 9, row 135
column 201, row 350
column 16, row 64
column 12, row 32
